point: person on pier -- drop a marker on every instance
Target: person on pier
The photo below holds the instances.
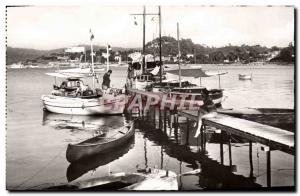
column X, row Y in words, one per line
column 106, row 80
column 207, row 109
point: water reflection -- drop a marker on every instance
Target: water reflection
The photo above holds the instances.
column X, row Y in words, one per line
column 226, row 161
column 80, row 122
column 79, row 168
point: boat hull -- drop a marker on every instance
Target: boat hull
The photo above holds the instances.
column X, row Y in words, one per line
column 77, row 152
column 151, row 180
column 79, row 106
column 245, row 77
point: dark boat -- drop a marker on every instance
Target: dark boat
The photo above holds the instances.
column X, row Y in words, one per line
column 78, row 168
column 276, row 117
column 100, row 144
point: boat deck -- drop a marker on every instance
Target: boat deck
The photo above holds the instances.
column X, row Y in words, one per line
column 273, row 137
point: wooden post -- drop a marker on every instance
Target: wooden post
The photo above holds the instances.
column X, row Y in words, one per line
column 162, row 158
column 269, row 168
column 187, row 131
column 229, row 150
column 154, row 116
column 159, row 120
column 176, row 127
column 165, row 121
column 221, row 148
column 201, row 139
column 250, row 159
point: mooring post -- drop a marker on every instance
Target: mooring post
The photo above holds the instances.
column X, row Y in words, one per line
column 250, row 159
column 165, row 121
column 176, row 127
column 159, row 120
column 187, row 131
column 204, row 137
column 268, row 168
column 221, row 148
column 201, row 139
column 229, row 150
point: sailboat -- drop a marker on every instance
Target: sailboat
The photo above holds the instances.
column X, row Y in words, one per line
column 151, row 70
column 76, row 98
column 191, row 92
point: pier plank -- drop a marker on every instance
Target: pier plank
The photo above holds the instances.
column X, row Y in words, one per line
column 274, row 137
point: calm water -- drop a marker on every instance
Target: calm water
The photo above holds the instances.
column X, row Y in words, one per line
column 37, row 141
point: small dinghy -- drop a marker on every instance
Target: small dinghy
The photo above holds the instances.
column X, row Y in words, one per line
column 100, row 144
column 245, row 76
column 145, row 180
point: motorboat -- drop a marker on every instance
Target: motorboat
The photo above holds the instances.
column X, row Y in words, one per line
column 245, row 76
column 76, row 98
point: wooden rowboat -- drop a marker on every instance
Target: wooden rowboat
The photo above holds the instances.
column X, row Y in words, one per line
column 81, row 167
column 147, row 180
column 100, row 144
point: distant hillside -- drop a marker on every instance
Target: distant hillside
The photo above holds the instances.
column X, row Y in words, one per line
column 286, row 55
column 15, row 55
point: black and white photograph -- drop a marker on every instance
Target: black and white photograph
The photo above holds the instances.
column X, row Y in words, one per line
column 150, row 98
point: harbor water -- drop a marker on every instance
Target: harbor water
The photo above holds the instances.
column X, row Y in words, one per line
column 36, row 141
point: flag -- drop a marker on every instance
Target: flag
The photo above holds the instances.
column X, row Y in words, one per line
column 135, row 23
column 92, row 35
column 109, row 48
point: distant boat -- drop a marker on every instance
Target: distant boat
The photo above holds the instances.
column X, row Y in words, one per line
column 100, row 144
column 16, row 66
column 245, row 76
column 146, row 180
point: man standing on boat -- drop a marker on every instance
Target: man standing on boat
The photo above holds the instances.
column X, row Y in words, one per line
column 106, row 80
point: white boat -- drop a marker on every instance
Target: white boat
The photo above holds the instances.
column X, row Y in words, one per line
column 75, row 98
column 109, row 103
column 245, row 76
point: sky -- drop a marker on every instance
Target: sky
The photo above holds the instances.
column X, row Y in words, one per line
column 51, row 27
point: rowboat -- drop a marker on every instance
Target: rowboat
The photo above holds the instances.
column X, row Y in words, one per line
column 245, row 77
column 276, row 117
column 100, row 144
column 81, row 167
column 146, row 180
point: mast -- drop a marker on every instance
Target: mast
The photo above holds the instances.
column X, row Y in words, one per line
column 93, row 70
column 179, row 55
column 107, row 58
column 144, row 33
column 160, row 61
column 144, row 39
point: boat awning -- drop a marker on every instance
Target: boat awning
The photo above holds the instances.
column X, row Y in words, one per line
column 196, row 73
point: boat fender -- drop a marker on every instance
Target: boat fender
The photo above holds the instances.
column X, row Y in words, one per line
column 82, row 106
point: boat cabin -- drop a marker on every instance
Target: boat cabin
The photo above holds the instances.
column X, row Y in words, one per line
column 73, row 87
column 144, row 78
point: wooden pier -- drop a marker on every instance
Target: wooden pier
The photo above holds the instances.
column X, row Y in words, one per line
column 272, row 137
